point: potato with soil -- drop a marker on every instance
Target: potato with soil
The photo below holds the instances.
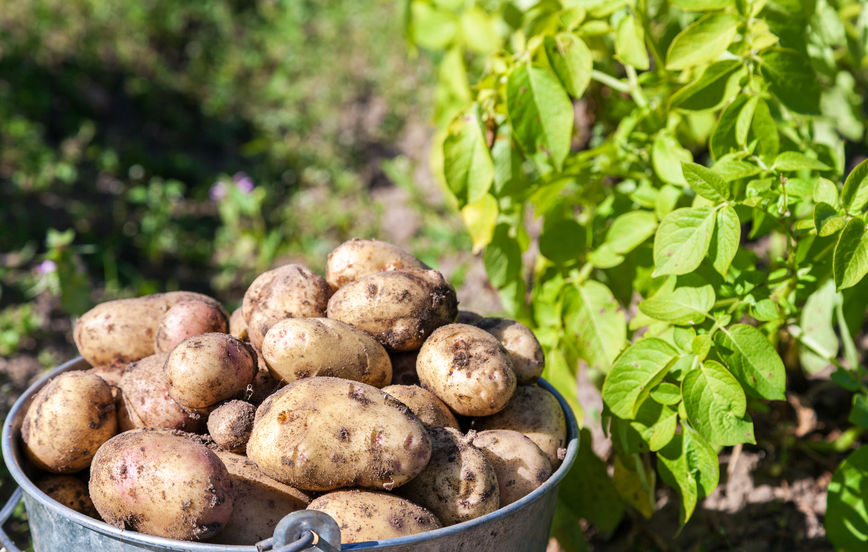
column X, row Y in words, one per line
column 425, row 405
column 146, row 400
column 458, row 484
column 260, row 502
column 520, row 465
column 536, row 413
column 468, row 369
column 209, row 368
column 69, row 491
column 298, row 348
column 321, row 434
column 110, row 373
column 159, row 482
column 400, row 308
column 528, row 360
column 122, row 331
column 186, row 319
column 371, row 515
column 356, row 258
column 263, row 384
column 238, row 325
column 67, row 422
column 291, row 291
column 230, row 425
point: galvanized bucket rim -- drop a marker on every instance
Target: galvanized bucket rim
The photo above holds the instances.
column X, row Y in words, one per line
column 11, row 451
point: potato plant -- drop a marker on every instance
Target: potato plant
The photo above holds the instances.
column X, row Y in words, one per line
column 681, row 168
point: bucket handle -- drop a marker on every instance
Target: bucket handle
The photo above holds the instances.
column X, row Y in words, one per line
column 5, row 514
column 304, row 530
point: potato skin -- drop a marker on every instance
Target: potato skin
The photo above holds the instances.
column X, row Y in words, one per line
column 260, row 502
column 69, row 491
column 458, row 484
column 356, row 258
column 322, row 433
column 161, row 483
column 238, row 325
column 528, row 359
column 67, row 422
column 537, row 414
column 425, row 405
column 111, row 374
column 186, row 319
column 122, row 331
column 520, row 465
column 297, row 348
column 209, row 368
column 400, row 308
column 467, row 368
column 371, row 515
column 230, row 425
column 146, row 400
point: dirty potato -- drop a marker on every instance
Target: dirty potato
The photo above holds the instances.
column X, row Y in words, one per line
column 69, row 491
column 186, row 319
column 356, row 258
column 371, row 515
column 230, row 425
column 458, row 484
column 520, row 465
column 238, row 325
column 159, row 482
column 322, row 433
column 146, row 401
column 467, row 368
column 67, row 422
column 297, row 348
column 528, row 360
column 400, row 308
column 425, row 405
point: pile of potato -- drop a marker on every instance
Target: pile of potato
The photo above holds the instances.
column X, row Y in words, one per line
column 366, row 395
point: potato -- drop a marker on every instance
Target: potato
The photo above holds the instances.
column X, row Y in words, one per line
column 238, row 325
column 110, row 373
column 467, row 368
column 400, row 308
column 263, row 384
column 209, row 368
column 260, row 502
column 69, row 491
column 371, row 515
column 528, row 360
column 186, row 319
column 230, row 424
column 458, row 484
column 404, row 368
column 425, row 405
column 67, row 422
column 291, row 291
column 537, row 414
column 322, row 433
column 520, row 465
column 356, row 258
column 159, row 482
column 146, row 400
column 468, row 317
column 297, row 348
column 122, row 331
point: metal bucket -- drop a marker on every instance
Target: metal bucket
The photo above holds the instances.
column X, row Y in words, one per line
column 522, row 526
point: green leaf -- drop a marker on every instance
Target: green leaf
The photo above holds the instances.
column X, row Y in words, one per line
column 479, row 31
column 702, row 5
column 635, row 488
column 540, row 113
column 667, row 394
column 702, row 41
column 766, row 310
column 796, row 161
column 855, row 193
column 717, row 84
column 744, row 120
column 629, row 230
column 571, row 60
column 726, row 239
column 432, row 28
column 846, row 508
column 689, row 464
column 562, row 241
column 826, row 191
column 792, row 79
column 480, row 218
column 764, row 130
column 850, row 261
column 705, row 182
column 682, row 240
column 827, row 221
column 635, row 372
column 723, row 138
column 467, row 163
column 667, row 157
column 686, row 302
column 630, row 43
column 752, row 360
column 502, row 257
column 716, row 405
column 816, row 323
column 592, row 314
column 733, row 169
column 859, row 411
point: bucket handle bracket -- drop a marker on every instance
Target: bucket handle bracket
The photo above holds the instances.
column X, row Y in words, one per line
column 304, row 530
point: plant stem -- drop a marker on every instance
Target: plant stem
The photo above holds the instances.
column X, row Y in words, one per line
column 635, row 91
column 610, row 81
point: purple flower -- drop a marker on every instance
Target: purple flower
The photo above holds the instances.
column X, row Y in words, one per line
column 46, row 267
column 243, row 182
column 218, row 191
